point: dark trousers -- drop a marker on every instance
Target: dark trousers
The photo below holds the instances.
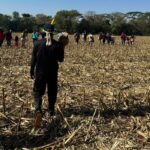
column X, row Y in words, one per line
column 40, row 85
column 8, row 42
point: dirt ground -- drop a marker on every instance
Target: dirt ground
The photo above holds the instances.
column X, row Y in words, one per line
column 103, row 99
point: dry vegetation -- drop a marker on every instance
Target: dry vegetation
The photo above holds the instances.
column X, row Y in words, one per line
column 103, row 100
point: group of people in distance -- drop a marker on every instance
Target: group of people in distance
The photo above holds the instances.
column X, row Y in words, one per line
column 10, row 40
column 127, row 39
column 85, row 37
column 104, row 38
column 6, row 36
column 14, row 41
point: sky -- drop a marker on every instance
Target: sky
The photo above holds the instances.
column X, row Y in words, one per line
column 50, row 7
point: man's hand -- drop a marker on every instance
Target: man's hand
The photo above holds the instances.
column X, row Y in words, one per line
column 63, row 38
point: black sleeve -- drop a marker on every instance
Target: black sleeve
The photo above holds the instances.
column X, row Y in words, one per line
column 60, row 52
column 33, row 58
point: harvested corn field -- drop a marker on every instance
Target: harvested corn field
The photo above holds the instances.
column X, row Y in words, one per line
column 103, row 99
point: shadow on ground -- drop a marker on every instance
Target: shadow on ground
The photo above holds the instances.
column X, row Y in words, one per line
column 134, row 110
column 57, row 130
column 24, row 139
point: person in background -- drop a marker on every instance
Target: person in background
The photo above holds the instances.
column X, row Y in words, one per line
column 90, row 38
column 8, row 37
column 77, row 37
column 132, row 39
column 123, row 38
column 16, row 41
column 2, row 36
column 108, row 38
column 24, row 38
column 35, row 36
column 84, row 36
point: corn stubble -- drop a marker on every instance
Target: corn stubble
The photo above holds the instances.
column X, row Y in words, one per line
column 103, row 100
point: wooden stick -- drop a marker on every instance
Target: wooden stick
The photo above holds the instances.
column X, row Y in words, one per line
column 8, row 118
column 84, row 96
column 20, row 99
column 12, row 111
column 72, row 135
column 90, row 124
column 19, row 121
column 50, row 145
column 4, row 105
column 65, row 119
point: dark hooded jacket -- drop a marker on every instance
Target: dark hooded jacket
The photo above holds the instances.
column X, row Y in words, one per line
column 44, row 62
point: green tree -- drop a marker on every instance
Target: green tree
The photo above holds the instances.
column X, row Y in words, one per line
column 5, row 22
column 41, row 20
column 118, row 22
column 98, row 22
column 15, row 22
column 67, row 20
column 83, row 25
column 27, row 22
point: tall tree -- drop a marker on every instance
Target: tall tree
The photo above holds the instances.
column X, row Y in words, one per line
column 27, row 22
column 118, row 22
column 67, row 20
column 15, row 22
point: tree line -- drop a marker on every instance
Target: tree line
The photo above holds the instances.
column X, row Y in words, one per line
column 137, row 23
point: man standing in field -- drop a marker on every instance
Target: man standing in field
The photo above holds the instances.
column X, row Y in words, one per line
column 44, row 69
